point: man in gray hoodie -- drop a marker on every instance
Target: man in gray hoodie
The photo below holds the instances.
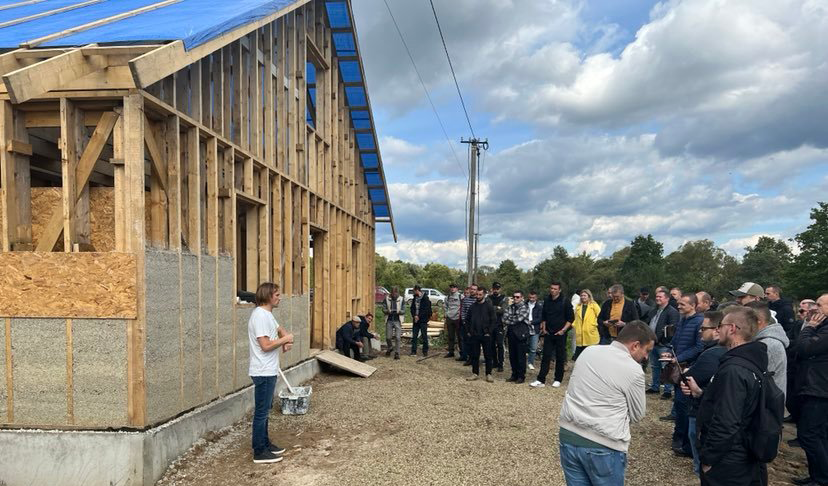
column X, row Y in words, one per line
column 773, row 335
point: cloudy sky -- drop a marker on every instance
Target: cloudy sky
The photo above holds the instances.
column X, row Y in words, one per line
column 685, row 119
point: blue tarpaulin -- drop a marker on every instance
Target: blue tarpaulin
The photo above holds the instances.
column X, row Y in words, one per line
column 192, row 21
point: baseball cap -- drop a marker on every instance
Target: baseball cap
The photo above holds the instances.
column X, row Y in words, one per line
column 748, row 288
column 453, row 286
column 496, row 285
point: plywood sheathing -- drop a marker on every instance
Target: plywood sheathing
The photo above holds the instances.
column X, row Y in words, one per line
column 163, row 344
column 87, row 285
column 39, row 370
column 99, row 374
column 45, row 200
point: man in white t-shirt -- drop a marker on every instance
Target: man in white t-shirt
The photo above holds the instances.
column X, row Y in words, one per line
column 265, row 337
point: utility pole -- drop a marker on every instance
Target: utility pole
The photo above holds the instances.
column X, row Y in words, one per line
column 471, row 241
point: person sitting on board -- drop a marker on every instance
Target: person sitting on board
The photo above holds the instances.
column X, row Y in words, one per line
column 348, row 339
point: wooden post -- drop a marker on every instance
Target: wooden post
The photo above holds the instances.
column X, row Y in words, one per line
column 171, row 137
column 212, row 197
column 276, row 218
column 133, row 152
column 15, row 180
column 70, row 148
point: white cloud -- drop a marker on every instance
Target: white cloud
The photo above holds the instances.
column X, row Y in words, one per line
column 398, row 151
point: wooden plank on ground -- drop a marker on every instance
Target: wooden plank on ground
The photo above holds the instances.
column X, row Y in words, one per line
column 350, row 365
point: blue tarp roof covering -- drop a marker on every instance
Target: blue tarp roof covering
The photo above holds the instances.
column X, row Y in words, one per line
column 192, row 21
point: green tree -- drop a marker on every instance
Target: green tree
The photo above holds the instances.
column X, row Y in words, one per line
column 509, row 276
column 807, row 276
column 766, row 262
column 645, row 264
column 700, row 265
column 437, row 276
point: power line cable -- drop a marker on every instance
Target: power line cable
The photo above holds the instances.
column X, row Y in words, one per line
column 451, row 66
column 422, row 83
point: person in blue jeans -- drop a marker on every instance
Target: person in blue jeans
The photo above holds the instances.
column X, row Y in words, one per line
column 663, row 323
column 701, row 373
column 265, row 337
column 605, row 394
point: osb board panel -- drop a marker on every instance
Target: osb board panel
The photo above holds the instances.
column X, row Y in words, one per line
column 45, row 200
column 351, row 365
column 99, row 372
column 225, row 324
column 39, row 370
column 190, row 313
column 86, row 285
column 163, row 351
column 208, row 327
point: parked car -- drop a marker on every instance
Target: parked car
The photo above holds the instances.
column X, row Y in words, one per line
column 380, row 293
column 434, row 295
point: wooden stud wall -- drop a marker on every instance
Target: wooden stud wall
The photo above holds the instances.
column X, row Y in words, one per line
column 222, row 137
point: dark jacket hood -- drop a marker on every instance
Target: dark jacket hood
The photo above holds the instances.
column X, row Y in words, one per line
column 755, row 351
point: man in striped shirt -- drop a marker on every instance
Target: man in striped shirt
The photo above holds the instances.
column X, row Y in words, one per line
column 469, row 299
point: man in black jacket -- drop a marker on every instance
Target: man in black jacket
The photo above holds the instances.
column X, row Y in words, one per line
column 557, row 316
column 498, row 301
column 535, row 318
column 793, row 402
column 782, row 307
column 615, row 312
column 702, row 371
column 664, row 320
column 516, row 317
column 479, row 330
column 420, row 314
column 812, row 428
column 349, row 340
column 729, row 404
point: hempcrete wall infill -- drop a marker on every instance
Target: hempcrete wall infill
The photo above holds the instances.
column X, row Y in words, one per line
column 208, row 327
column 39, row 370
column 99, row 372
column 163, row 373
column 191, row 315
column 225, row 324
column 242, row 350
column 3, row 395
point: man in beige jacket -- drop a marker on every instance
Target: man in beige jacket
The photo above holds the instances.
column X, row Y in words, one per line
column 605, row 394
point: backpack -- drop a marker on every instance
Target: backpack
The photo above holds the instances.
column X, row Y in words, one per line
column 764, row 433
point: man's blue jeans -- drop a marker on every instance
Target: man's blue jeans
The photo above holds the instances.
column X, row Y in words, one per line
column 585, row 466
column 656, row 365
column 263, row 388
column 694, row 443
column 533, row 348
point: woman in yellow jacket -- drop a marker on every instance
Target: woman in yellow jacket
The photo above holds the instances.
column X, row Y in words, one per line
column 586, row 323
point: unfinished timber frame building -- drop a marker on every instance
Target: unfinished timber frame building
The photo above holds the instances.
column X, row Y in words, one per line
column 157, row 157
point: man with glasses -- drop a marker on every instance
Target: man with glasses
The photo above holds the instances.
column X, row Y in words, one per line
column 793, row 402
column 516, row 318
column 702, row 372
column 729, row 404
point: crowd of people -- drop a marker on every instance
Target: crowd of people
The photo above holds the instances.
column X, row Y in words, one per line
column 730, row 369
column 719, row 364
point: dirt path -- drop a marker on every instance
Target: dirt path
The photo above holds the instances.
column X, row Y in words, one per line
column 423, row 424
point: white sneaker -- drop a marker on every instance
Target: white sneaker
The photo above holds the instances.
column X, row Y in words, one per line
column 537, row 384
column 556, row 384
column 531, row 366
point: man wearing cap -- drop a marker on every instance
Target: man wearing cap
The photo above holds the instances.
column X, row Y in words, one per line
column 498, row 300
column 644, row 304
column 748, row 292
column 348, row 339
column 453, row 301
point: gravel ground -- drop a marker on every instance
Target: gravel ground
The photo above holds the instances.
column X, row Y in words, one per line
column 422, row 423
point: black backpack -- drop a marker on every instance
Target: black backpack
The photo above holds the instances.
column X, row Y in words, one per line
column 764, row 433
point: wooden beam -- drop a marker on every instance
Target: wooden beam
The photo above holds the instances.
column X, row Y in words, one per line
column 134, row 174
column 315, row 55
column 193, row 152
column 70, row 146
column 159, row 164
column 172, row 141
column 18, row 147
column 82, row 172
column 15, row 181
column 50, row 74
column 96, row 23
column 212, row 197
column 162, row 62
column 54, row 11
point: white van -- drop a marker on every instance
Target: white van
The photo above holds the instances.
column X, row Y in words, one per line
column 434, row 295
